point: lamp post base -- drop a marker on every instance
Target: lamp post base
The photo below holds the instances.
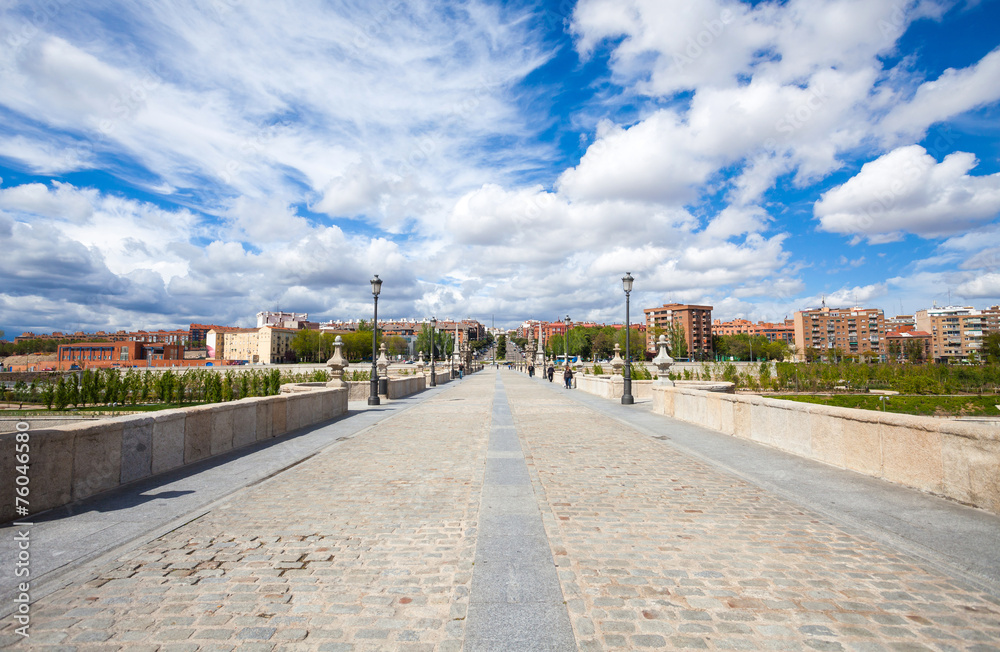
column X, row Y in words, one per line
column 628, row 400
column 374, row 400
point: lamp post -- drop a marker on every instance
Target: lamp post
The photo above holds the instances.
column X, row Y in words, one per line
column 434, row 323
column 566, row 340
column 627, row 395
column 373, row 393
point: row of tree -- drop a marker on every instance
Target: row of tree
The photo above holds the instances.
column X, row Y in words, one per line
column 852, row 376
column 131, row 387
column 314, row 346
column 591, row 343
column 745, row 347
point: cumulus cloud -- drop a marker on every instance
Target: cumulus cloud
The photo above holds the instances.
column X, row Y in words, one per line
column 954, row 92
column 907, row 191
column 410, row 141
column 61, row 201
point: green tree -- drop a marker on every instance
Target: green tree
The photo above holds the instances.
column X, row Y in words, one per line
column 676, row 340
column 62, row 395
column 306, row 344
column 991, row 347
column 20, row 390
column 73, row 392
column 603, row 343
column 914, row 350
column 397, row 345
column 636, row 342
column 48, row 395
column 443, row 342
column 227, row 387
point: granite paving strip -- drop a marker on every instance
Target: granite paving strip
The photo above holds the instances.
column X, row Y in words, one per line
column 516, row 601
column 946, row 532
column 657, row 549
column 366, row 546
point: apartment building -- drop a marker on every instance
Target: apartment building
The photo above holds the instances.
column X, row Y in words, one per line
column 265, row 345
column 841, row 331
column 991, row 319
column 695, row 320
column 956, row 331
column 774, row 332
column 898, row 345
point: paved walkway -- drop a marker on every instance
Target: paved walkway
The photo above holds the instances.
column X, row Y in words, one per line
column 439, row 528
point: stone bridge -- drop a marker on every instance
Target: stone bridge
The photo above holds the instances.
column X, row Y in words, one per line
column 504, row 513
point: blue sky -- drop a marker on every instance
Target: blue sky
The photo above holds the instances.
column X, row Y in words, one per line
column 202, row 161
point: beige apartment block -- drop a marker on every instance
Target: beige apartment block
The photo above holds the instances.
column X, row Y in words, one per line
column 956, row 331
column 696, row 320
column 265, row 345
column 849, row 331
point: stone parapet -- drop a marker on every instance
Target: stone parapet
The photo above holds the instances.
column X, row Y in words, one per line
column 956, row 459
column 72, row 462
column 611, row 387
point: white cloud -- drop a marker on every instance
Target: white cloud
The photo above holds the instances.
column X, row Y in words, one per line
column 954, row 92
column 42, row 157
column 62, row 201
column 265, row 221
column 414, row 132
column 656, row 160
column 986, row 286
column 907, row 191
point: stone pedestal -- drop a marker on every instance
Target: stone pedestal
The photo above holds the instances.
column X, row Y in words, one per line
column 662, row 362
column 617, row 364
column 337, row 364
column 382, row 363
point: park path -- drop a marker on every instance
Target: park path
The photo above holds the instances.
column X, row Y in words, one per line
column 501, row 514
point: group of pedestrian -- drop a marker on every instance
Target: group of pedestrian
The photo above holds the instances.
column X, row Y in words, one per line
column 550, row 372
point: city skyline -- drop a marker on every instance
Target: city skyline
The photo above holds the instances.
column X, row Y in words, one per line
column 194, row 162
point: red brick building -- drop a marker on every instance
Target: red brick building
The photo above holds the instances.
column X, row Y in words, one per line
column 87, row 355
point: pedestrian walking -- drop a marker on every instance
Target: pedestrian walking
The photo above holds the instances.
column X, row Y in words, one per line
column 551, row 373
column 461, row 371
column 531, row 370
column 568, row 377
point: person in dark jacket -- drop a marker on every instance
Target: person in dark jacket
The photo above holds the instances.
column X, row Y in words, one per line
column 551, row 373
column 568, row 377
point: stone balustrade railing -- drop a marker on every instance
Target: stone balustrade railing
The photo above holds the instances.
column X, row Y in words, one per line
column 72, row 462
column 956, row 459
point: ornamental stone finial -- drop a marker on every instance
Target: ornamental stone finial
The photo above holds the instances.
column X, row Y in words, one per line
column 382, row 363
column 337, row 364
column 617, row 364
column 662, row 359
column 420, row 363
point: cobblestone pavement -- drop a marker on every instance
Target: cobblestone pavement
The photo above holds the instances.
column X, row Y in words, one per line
column 370, row 545
column 367, row 546
column 659, row 550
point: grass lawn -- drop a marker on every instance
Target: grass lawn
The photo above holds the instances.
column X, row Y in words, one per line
column 933, row 406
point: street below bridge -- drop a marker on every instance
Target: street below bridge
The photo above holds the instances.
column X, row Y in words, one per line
column 506, row 513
